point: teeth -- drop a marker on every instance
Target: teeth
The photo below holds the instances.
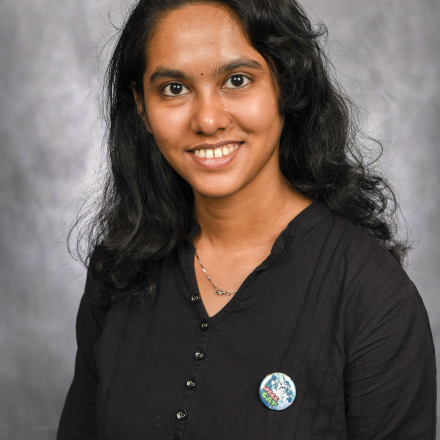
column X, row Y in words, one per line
column 218, row 152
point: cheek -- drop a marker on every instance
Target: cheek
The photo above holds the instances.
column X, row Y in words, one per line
column 259, row 114
column 167, row 125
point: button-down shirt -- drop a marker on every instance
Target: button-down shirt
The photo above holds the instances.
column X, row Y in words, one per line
column 329, row 307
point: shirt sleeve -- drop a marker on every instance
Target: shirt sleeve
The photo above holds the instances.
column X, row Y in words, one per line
column 390, row 377
column 79, row 416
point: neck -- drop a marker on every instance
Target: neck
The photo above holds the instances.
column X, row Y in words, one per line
column 251, row 217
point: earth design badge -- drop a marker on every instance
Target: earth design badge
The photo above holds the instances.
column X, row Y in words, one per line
column 277, row 391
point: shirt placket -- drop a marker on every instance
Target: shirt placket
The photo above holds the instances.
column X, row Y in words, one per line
column 199, row 356
column 201, row 350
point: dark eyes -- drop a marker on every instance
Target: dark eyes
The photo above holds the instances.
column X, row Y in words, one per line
column 178, row 89
column 237, row 81
column 175, row 88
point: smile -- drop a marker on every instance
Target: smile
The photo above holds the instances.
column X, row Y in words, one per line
column 215, row 153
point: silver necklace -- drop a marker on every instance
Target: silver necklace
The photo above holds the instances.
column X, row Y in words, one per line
column 218, row 291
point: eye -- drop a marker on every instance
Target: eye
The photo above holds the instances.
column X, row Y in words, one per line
column 237, row 81
column 174, row 89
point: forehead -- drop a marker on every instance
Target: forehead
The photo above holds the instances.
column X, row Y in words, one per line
column 198, row 37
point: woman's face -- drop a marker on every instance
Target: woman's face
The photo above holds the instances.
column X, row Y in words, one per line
column 211, row 102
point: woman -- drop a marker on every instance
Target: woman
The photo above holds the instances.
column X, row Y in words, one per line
column 244, row 278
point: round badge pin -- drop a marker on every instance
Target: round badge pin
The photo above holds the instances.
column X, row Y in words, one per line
column 277, row 391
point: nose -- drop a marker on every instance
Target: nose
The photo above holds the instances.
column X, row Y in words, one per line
column 209, row 115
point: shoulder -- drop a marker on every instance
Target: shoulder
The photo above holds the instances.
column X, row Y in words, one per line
column 374, row 285
column 353, row 255
column 344, row 256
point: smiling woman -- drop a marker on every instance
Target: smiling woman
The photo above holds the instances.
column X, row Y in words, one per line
column 244, row 280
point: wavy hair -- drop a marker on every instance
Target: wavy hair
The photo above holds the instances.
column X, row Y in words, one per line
column 145, row 207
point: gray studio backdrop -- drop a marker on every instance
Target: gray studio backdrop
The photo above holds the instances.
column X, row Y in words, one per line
column 50, row 139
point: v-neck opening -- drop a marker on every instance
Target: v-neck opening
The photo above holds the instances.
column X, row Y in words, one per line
column 194, row 289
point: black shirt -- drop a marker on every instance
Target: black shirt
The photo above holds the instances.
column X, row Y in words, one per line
column 329, row 307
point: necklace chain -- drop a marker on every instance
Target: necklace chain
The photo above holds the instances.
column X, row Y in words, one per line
column 218, row 291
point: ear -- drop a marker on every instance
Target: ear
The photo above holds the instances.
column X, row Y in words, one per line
column 140, row 107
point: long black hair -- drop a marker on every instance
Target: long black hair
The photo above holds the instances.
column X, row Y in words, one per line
column 145, row 207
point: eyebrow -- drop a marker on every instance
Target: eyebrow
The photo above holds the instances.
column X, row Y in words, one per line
column 237, row 64
column 164, row 72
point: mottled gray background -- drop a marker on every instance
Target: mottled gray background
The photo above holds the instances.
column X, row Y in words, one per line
column 50, row 137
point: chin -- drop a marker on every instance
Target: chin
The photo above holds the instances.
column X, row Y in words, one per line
column 216, row 194
column 217, row 191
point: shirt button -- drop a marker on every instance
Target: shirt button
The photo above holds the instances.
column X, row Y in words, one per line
column 195, row 299
column 182, row 415
column 204, row 326
column 190, row 384
column 199, row 355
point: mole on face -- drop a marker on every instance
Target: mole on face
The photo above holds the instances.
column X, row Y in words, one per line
column 201, row 74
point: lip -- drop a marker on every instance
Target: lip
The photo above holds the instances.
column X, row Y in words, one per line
column 213, row 146
column 215, row 163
